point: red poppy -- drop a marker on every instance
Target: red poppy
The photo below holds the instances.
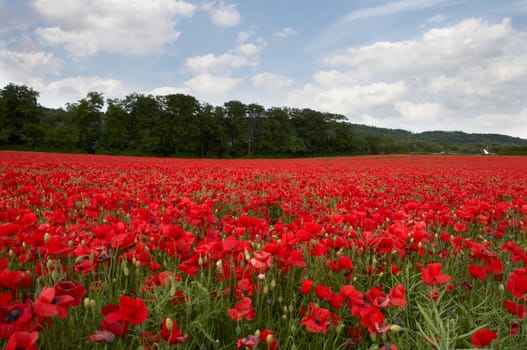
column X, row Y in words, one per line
column 307, row 285
column 517, row 283
column 22, row 340
column 15, row 317
column 373, row 319
column 318, row 320
column 432, row 275
column 171, row 333
column 73, row 289
column 48, row 304
column 323, row 292
column 267, row 337
column 242, row 309
column 515, row 308
column 112, row 321
column 132, row 310
column 483, row 337
column 397, row 297
column 477, row 271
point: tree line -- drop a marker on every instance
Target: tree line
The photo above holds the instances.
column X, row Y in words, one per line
column 180, row 125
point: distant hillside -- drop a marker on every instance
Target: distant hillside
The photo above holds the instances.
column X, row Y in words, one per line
column 440, row 137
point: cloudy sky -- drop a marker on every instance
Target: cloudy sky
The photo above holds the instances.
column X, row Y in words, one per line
column 412, row 64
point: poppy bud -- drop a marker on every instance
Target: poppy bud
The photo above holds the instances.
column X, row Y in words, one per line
column 257, row 333
column 168, row 324
column 273, row 284
column 86, row 303
column 396, row 328
column 269, row 340
column 46, row 237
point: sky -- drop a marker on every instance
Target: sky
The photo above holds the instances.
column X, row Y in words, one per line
column 410, row 64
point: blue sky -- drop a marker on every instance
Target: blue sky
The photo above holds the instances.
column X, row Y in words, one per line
column 412, row 64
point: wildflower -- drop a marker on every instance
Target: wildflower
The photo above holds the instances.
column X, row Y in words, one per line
column 483, row 337
column 242, row 309
column 22, row 340
column 432, row 275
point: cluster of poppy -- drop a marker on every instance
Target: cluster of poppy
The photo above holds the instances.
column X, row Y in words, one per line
column 240, row 220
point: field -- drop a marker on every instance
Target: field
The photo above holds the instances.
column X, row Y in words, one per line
column 401, row 252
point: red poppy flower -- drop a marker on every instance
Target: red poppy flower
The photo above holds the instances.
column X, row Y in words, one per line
column 517, row 283
column 432, row 275
column 323, row 292
column 483, row 337
column 73, row 289
column 515, row 308
column 242, row 309
column 15, row 317
column 267, row 337
column 112, row 321
column 48, row 304
column 22, row 341
column 171, row 333
column 477, row 271
column 373, row 319
column 396, row 295
column 307, row 285
column 318, row 320
column 132, row 310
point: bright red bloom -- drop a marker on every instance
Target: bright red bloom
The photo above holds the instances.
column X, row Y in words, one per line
column 397, row 297
column 112, row 321
column 22, row 341
column 48, row 304
column 432, row 275
column 267, row 337
column 477, row 271
column 15, row 317
column 73, row 289
column 373, row 319
column 517, row 283
column 242, row 309
column 307, row 285
column 483, row 337
column 515, row 308
column 131, row 310
column 318, row 320
column 171, row 333
column 323, row 292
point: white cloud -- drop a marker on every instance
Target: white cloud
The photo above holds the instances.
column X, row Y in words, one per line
column 285, row 32
column 210, row 87
column 454, row 77
column 25, row 67
column 217, row 64
column 124, row 26
column 58, row 93
column 224, row 15
column 168, row 90
column 271, row 82
column 391, row 7
column 435, row 19
column 243, row 37
column 420, row 112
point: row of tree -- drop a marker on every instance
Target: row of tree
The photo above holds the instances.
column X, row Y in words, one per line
column 180, row 125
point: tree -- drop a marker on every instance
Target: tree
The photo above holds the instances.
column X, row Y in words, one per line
column 255, row 112
column 87, row 114
column 19, row 115
column 235, row 125
column 116, row 121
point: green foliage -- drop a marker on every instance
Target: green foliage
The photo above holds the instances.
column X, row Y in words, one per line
column 179, row 125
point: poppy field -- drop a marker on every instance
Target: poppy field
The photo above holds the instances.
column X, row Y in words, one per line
column 386, row 252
